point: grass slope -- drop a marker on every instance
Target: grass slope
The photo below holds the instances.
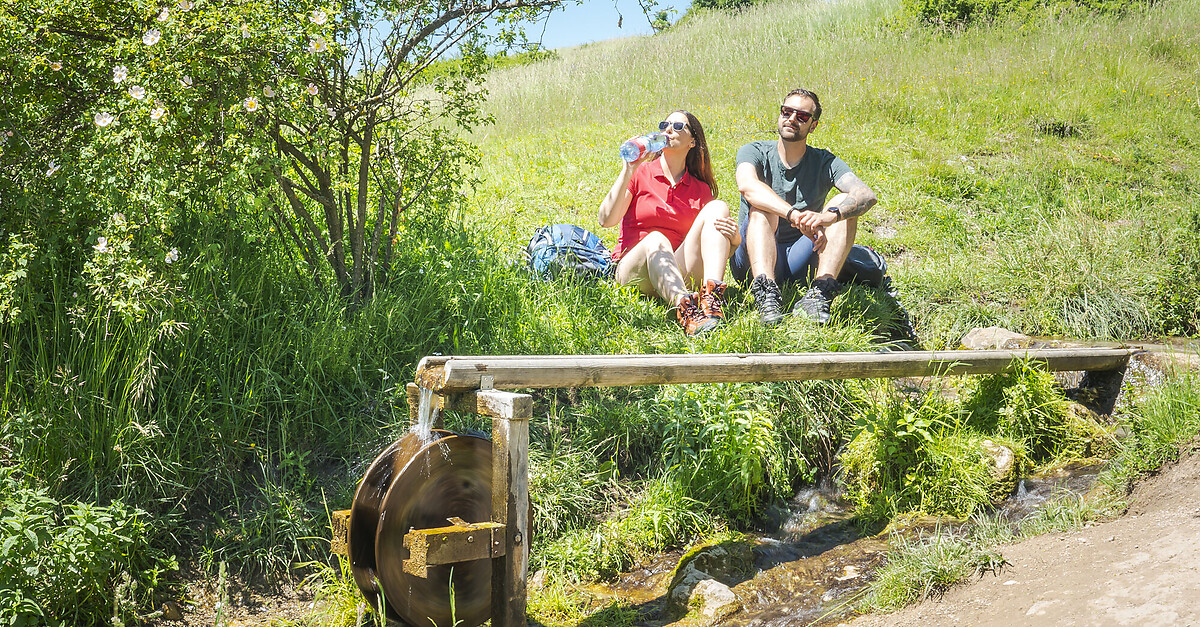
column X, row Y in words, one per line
column 1038, row 176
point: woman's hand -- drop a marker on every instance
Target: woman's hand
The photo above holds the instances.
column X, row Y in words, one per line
column 729, row 228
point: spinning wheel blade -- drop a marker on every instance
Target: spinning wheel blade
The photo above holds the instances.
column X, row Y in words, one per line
column 368, row 505
column 451, row 476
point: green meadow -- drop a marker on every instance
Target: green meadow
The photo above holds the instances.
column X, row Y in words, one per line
column 1039, row 172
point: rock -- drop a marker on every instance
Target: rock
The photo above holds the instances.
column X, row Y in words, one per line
column 724, row 561
column 1090, row 437
column 172, row 611
column 1003, row 468
column 993, row 338
column 537, row 581
column 714, row 599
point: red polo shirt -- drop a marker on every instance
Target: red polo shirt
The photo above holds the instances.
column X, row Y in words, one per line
column 657, row 206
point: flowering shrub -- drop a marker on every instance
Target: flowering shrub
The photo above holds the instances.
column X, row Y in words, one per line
column 316, row 107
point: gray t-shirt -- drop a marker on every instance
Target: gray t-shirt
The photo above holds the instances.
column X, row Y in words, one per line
column 804, row 187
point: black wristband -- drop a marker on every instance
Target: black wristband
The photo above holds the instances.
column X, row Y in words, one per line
column 788, row 217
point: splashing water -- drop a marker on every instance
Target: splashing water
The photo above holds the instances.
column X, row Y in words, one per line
column 426, row 413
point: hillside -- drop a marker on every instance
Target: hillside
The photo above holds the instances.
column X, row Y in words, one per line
column 1008, row 159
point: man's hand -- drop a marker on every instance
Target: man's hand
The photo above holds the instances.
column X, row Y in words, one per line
column 813, row 225
column 729, row 228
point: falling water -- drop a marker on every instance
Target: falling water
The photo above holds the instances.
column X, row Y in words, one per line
column 426, row 413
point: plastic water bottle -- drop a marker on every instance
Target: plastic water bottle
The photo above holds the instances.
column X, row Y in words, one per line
column 633, row 149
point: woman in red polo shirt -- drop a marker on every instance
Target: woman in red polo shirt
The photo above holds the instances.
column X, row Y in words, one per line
column 675, row 237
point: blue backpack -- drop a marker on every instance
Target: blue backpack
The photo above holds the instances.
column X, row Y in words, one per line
column 559, row 249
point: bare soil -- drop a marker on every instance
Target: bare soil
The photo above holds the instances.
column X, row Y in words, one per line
column 1140, row 569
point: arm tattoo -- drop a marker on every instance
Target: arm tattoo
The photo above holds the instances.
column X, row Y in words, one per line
column 860, row 197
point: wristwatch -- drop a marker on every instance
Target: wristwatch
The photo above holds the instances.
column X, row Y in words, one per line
column 837, row 213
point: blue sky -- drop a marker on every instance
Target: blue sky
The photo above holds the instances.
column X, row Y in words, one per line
column 596, row 20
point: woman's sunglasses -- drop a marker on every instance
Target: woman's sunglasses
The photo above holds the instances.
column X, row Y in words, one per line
column 678, row 126
column 802, row 116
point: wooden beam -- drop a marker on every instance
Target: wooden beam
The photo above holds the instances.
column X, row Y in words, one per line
column 450, row 545
column 510, row 501
column 449, row 375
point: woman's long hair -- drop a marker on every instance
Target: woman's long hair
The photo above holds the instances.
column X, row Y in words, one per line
column 698, row 162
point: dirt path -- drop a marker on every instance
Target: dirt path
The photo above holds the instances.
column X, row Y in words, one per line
column 1140, row 569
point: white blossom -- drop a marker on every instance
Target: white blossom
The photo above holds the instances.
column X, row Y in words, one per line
column 312, row 89
column 317, row 45
column 52, row 169
column 185, row 81
column 104, row 118
column 172, row 255
column 151, row 37
column 251, row 104
column 137, row 91
column 118, row 217
column 56, row 65
column 268, row 92
column 101, row 245
column 158, row 112
column 165, row 15
column 245, row 28
column 318, row 17
column 184, row 5
column 120, row 73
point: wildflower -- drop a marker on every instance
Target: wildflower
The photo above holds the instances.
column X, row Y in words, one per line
column 251, row 104
column 120, row 73
column 137, row 91
column 185, row 81
column 56, row 65
column 312, row 89
column 172, row 255
column 165, row 15
column 151, row 37
column 104, row 118
column 268, row 92
column 101, row 245
column 158, row 112
column 245, row 28
column 118, row 217
column 317, row 17
column 184, row 5
column 317, row 45
column 52, row 169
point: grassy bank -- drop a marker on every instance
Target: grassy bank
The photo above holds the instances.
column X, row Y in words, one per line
column 1037, row 176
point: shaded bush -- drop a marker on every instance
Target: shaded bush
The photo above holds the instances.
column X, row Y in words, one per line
column 77, row 564
column 956, row 13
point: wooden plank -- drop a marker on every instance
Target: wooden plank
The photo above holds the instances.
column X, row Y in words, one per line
column 460, row 374
column 510, row 504
column 450, row 545
column 491, row 405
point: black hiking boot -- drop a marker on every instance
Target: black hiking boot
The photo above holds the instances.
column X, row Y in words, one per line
column 769, row 300
column 815, row 303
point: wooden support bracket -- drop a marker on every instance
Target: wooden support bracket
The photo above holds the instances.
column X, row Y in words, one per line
column 460, row 542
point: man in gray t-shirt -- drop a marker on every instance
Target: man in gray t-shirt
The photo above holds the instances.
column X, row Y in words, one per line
column 785, row 219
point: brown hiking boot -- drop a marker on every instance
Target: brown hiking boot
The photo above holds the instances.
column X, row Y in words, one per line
column 691, row 318
column 712, row 300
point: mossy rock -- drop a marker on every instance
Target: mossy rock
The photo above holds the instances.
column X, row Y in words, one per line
column 1087, row 437
column 726, row 560
column 1005, row 469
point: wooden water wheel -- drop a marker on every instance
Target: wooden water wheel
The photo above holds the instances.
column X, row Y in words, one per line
column 421, row 484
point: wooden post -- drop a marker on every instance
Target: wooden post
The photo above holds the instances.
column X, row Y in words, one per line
column 510, row 500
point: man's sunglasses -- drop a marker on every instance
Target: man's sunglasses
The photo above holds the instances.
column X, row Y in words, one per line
column 678, row 126
column 802, row 116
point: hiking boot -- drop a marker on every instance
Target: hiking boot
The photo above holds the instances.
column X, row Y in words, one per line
column 691, row 317
column 769, row 300
column 815, row 303
column 712, row 300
